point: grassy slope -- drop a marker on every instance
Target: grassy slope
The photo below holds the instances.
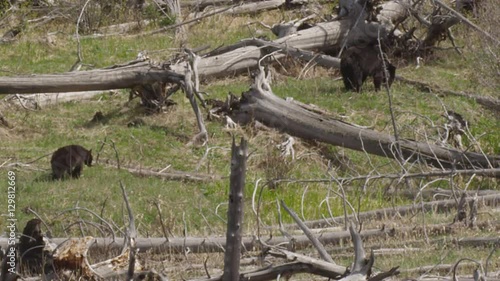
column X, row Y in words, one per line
column 163, row 140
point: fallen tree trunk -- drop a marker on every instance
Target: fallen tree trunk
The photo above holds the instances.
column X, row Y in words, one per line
column 486, row 101
column 276, row 271
column 218, row 244
column 440, row 206
column 246, row 8
column 35, row 101
column 119, row 77
column 432, row 194
column 260, row 104
column 241, row 58
column 174, row 175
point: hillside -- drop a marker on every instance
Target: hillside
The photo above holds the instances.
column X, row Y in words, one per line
column 319, row 180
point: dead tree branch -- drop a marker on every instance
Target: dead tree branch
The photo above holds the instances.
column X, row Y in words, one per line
column 191, row 85
column 170, row 175
column 319, row 247
column 432, row 174
column 465, row 20
column 488, row 102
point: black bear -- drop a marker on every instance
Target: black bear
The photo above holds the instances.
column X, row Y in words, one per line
column 357, row 63
column 31, row 246
column 29, row 251
column 468, row 6
column 69, row 160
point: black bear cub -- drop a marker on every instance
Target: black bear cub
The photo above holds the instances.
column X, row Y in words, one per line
column 69, row 160
column 359, row 62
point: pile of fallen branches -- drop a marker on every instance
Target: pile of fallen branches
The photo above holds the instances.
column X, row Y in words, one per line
column 60, row 257
column 70, row 257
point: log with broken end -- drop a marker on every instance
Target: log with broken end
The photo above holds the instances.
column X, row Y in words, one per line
column 260, row 104
column 127, row 76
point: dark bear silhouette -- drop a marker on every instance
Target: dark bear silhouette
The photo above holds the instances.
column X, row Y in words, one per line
column 31, row 247
column 467, row 6
column 30, row 252
column 69, row 160
column 357, row 63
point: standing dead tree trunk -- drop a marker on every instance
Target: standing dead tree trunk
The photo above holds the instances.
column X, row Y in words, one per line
column 262, row 105
column 235, row 211
column 131, row 235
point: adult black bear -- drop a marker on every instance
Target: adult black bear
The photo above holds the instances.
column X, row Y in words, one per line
column 69, row 160
column 357, row 63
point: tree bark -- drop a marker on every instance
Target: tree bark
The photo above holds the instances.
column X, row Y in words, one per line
column 35, row 101
column 119, row 77
column 262, row 105
column 235, row 211
column 241, row 58
column 218, row 244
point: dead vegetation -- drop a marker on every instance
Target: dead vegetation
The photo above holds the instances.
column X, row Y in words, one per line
column 275, row 250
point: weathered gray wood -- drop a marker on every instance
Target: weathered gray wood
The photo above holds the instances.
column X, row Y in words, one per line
column 120, row 77
column 262, row 105
column 244, row 55
column 244, row 8
column 218, row 244
column 174, row 175
column 131, row 236
column 323, row 36
column 319, row 247
column 491, row 200
column 235, row 211
column 467, row 21
column 275, row 272
column 35, row 101
column 229, row 63
column 195, row 244
column 337, row 270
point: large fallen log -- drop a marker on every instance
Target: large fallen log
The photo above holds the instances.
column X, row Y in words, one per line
column 36, row 101
column 241, row 58
column 118, row 77
column 260, row 104
column 218, row 244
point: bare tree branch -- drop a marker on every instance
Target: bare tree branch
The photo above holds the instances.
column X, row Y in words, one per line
column 319, row 247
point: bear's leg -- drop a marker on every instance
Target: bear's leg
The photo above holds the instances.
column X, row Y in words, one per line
column 347, row 76
column 357, row 77
column 391, row 69
column 76, row 172
column 56, row 175
column 378, row 78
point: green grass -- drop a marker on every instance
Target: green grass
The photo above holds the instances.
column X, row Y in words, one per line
column 163, row 141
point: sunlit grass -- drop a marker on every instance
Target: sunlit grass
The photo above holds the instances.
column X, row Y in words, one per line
column 200, row 208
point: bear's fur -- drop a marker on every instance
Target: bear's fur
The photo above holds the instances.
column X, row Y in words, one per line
column 69, row 160
column 357, row 63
